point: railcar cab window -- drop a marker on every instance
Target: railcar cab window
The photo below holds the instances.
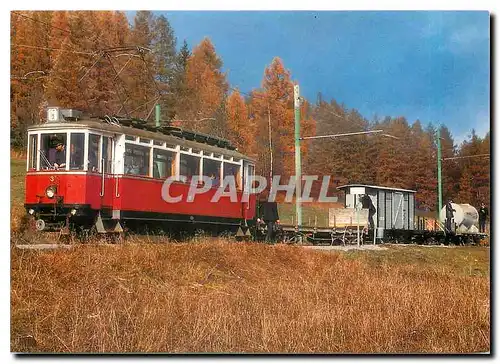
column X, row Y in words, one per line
column 33, row 151
column 53, row 151
column 94, row 152
column 163, row 163
column 189, row 167
column 77, row 150
column 211, row 169
column 136, row 160
column 233, row 170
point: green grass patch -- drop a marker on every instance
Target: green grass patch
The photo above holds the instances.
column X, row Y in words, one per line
column 467, row 260
column 17, row 177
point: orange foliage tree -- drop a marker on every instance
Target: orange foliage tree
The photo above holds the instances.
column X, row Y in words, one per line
column 203, row 107
column 241, row 130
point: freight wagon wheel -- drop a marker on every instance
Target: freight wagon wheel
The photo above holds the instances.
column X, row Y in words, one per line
column 430, row 241
column 337, row 241
column 288, row 239
column 352, row 240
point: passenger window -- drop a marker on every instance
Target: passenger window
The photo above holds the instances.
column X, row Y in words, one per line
column 77, row 145
column 211, row 169
column 33, row 151
column 136, row 160
column 107, row 153
column 163, row 163
column 233, row 170
column 190, row 166
column 94, row 152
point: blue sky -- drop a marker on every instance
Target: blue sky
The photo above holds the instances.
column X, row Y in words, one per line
column 431, row 66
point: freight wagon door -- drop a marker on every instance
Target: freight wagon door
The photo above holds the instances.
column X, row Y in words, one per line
column 397, row 210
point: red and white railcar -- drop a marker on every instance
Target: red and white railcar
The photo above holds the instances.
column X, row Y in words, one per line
column 109, row 173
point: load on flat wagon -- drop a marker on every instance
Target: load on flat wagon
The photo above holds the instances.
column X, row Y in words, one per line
column 89, row 174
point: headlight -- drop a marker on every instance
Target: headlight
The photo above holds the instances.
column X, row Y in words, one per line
column 31, row 211
column 51, row 191
column 73, row 211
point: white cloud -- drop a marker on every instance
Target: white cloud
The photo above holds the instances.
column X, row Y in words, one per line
column 481, row 125
column 466, row 38
column 458, row 34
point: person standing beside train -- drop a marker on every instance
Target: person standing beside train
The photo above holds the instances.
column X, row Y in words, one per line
column 269, row 214
column 483, row 214
column 367, row 203
column 449, row 215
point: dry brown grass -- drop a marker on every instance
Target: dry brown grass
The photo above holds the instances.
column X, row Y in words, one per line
column 219, row 296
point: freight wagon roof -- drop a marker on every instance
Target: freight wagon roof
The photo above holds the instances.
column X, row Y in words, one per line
column 375, row 187
column 155, row 135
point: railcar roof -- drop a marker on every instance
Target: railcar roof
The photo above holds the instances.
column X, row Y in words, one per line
column 96, row 124
column 375, row 187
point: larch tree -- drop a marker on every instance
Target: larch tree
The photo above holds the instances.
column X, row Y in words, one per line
column 394, row 161
column 141, row 88
column 465, row 193
column 62, row 87
column 207, row 86
column 423, row 172
column 475, row 168
column 30, row 66
column 241, row 131
column 273, row 105
column 450, row 171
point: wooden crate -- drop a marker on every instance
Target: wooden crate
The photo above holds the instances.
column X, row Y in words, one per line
column 345, row 217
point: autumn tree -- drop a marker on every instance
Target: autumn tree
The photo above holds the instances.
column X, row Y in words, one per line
column 450, row 168
column 203, row 107
column 475, row 170
column 271, row 110
column 30, row 66
column 241, row 131
column 423, row 171
column 465, row 193
column 141, row 89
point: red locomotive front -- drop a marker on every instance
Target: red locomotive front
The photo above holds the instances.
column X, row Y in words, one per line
column 92, row 174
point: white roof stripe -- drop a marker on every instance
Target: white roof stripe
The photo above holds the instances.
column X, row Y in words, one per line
column 375, row 187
